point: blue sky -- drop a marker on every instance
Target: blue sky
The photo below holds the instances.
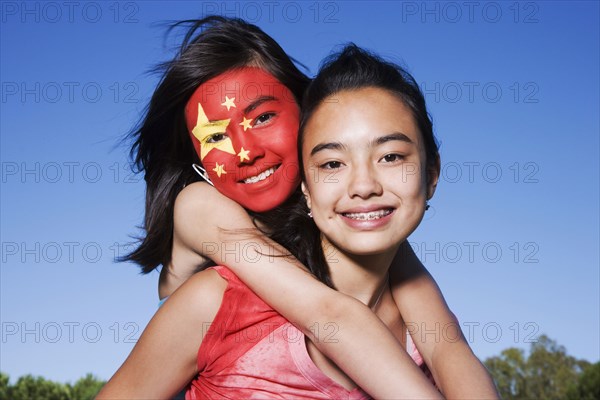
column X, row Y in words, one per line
column 512, row 236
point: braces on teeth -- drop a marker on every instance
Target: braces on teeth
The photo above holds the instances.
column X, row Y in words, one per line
column 368, row 216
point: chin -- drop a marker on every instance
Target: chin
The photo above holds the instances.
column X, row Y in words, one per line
column 264, row 203
column 369, row 247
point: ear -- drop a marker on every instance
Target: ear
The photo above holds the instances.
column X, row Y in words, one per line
column 306, row 194
column 433, row 175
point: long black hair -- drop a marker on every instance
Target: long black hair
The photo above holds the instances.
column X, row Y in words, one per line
column 162, row 147
column 351, row 69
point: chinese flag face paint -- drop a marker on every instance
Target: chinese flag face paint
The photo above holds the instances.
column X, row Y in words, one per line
column 244, row 125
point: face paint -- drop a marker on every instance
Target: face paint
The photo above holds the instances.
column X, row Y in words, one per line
column 244, row 125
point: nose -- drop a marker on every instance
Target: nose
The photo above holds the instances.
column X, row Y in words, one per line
column 364, row 183
column 248, row 148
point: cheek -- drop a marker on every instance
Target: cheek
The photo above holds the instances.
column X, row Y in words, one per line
column 408, row 185
column 282, row 141
column 214, row 157
column 414, row 176
column 285, row 135
column 221, row 167
column 411, row 194
column 324, row 196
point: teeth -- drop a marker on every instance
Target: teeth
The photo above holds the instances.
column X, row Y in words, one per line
column 262, row 176
column 368, row 216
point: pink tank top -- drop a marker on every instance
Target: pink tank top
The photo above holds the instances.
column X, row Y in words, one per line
column 252, row 352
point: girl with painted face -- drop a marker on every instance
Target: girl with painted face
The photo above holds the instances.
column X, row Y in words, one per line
column 189, row 224
column 243, row 124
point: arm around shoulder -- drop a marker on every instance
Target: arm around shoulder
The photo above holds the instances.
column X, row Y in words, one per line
column 199, row 211
column 214, row 228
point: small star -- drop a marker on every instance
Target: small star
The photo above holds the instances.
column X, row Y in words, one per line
column 243, row 154
column 228, row 103
column 246, row 123
column 219, row 170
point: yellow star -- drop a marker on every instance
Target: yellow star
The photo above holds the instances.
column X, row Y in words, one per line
column 205, row 129
column 220, row 170
column 243, row 154
column 246, row 123
column 228, row 103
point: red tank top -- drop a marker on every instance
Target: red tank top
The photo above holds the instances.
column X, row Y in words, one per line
column 252, row 352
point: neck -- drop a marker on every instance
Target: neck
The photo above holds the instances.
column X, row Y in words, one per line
column 361, row 276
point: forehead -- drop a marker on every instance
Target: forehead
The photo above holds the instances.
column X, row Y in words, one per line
column 358, row 116
column 245, row 85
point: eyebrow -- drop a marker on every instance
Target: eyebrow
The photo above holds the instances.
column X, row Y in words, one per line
column 393, row 136
column 377, row 142
column 258, row 102
column 327, row 146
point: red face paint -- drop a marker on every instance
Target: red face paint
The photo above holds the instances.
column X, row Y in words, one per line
column 244, row 125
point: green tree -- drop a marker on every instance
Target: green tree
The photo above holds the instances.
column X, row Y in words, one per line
column 550, row 370
column 588, row 385
column 3, row 386
column 86, row 388
column 547, row 373
column 508, row 371
column 27, row 387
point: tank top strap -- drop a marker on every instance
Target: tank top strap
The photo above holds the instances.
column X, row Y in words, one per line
column 242, row 320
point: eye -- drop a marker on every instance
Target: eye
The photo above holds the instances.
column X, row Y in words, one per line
column 264, row 119
column 390, row 158
column 215, row 138
column 331, row 165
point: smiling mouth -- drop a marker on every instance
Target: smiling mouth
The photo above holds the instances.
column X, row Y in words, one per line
column 369, row 216
column 262, row 176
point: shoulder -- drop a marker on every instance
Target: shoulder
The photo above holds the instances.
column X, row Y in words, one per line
column 220, row 287
column 193, row 199
column 201, row 295
column 200, row 196
column 164, row 358
column 207, row 283
column 207, row 287
column 212, row 296
column 195, row 191
column 201, row 206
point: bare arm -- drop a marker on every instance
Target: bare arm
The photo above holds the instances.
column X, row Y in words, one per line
column 362, row 346
column 435, row 331
column 185, row 262
column 164, row 359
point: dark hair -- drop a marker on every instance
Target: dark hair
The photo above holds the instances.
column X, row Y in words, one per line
column 351, row 69
column 355, row 68
column 162, row 146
